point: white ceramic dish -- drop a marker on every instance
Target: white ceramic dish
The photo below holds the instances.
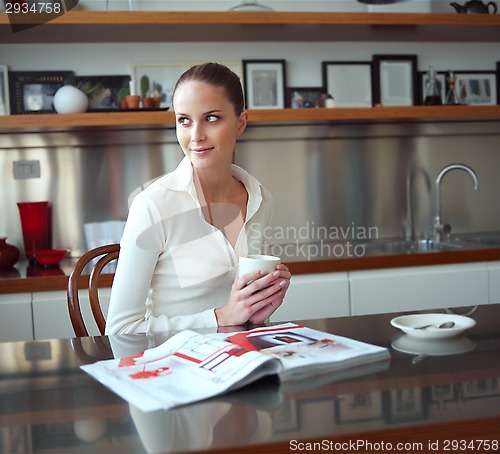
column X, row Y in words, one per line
column 433, row 347
column 409, row 323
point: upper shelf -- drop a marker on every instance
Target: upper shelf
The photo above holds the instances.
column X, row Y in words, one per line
column 21, row 123
column 160, row 26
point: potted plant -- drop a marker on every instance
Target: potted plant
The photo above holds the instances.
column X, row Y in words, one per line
column 122, row 95
column 147, row 102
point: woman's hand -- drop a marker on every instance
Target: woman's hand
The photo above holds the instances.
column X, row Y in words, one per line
column 254, row 297
column 263, row 314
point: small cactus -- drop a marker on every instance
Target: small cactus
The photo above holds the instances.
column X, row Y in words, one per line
column 144, row 86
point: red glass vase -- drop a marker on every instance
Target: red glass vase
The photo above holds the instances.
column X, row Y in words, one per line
column 9, row 254
column 36, row 223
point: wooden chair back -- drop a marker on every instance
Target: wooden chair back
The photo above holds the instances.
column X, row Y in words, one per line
column 103, row 255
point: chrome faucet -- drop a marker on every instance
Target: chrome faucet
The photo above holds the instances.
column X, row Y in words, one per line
column 439, row 228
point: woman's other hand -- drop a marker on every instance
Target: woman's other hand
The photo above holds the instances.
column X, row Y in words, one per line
column 254, row 297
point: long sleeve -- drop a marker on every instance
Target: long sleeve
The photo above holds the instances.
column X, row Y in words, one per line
column 130, row 309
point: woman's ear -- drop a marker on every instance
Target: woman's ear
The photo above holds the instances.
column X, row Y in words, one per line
column 242, row 124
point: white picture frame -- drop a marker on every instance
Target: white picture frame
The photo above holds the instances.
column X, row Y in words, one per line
column 4, row 91
column 162, row 79
column 164, row 75
column 395, row 80
column 349, row 83
column 264, row 83
column 477, row 88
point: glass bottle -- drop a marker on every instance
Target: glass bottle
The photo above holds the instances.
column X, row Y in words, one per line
column 432, row 93
column 453, row 96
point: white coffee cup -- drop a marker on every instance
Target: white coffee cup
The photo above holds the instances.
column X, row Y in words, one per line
column 256, row 262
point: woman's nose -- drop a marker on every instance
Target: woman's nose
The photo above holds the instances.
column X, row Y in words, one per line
column 198, row 133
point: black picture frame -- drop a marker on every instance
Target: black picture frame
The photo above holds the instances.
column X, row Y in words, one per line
column 405, row 405
column 477, row 87
column 359, row 408
column 350, row 83
column 309, row 97
column 399, row 87
column 264, row 83
column 103, row 91
column 4, row 90
column 33, row 92
column 498, row 82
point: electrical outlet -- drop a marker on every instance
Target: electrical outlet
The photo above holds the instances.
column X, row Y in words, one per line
column 36, row 351
column 26, row 169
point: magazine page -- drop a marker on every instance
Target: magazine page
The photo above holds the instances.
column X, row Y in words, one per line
column 186, row 368
column 308, row 352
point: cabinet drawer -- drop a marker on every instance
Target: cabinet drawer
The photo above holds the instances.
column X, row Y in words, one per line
column 418, row 288
column 16, row 322
column 315, row 296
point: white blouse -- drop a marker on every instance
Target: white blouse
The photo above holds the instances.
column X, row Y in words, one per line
column 174, row 266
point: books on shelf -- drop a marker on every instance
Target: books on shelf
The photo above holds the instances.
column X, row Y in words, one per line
column 191, row 366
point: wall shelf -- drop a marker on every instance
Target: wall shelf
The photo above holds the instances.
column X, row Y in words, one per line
column 19, row 123
column 154, row 26
column 160, row 26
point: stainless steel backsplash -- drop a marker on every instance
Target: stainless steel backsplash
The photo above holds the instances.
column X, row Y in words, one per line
column 325, row 178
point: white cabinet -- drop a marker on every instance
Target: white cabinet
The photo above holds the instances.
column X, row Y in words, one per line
column 416, row 288
column 51, row 317
column 315, row 296
column 494, row 278
column 16, row 323
column 44, row 315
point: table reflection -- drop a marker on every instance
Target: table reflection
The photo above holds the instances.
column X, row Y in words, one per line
column 48, row 404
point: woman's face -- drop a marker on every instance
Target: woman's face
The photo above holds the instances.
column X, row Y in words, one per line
column 206, row 124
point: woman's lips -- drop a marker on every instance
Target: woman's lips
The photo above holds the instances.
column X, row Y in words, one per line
column 201, row 151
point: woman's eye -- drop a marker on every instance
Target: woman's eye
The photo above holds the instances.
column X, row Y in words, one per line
column 212, row 118
column 183, row 121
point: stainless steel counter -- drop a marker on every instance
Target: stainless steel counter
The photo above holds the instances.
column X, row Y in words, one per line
column 303, row 258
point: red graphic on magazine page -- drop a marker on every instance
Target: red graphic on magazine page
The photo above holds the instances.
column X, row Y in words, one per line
column 268, row 338
column 150, row 373
column 130, row 360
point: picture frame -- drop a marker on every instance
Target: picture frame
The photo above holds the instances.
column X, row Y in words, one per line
column 477, row 88
column 33, row 92
column 264, row 83
column 303, row 97
column 443, row 393
column 423, row 76
column 350, row 83
column 498, row 82
column 481, row 388
column 4, row 91
column 287, row 417
column 102, row 91
column 359, row 408
column 395, row 80
column 404, row 405
column 163, row 77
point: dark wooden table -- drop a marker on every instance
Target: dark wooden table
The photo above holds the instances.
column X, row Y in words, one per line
column 440, row 397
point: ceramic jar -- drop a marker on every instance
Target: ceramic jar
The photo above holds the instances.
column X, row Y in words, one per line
column 9, row 254
column 69, row 99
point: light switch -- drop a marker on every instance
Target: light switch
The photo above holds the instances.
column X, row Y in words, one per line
column 26, row 169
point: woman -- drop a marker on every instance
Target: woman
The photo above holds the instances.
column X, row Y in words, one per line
column 185, row 232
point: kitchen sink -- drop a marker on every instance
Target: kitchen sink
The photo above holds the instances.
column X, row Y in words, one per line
column 411, row 247
column 491, row 241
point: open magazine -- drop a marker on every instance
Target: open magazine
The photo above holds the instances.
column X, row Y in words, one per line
column 190, row 366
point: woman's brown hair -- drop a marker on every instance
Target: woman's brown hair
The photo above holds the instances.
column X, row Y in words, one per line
column 216, row 75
